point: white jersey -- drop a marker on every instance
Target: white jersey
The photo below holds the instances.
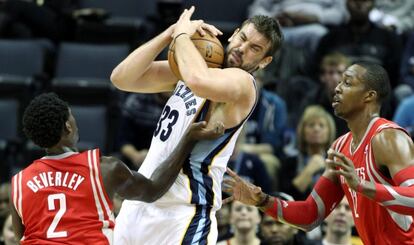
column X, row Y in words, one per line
column 200, row 180
column 186, row 213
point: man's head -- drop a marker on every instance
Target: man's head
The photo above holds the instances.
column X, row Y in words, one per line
column 340, row 222
column 359, row 10
column 316, row 128
column 274, row 232
column 331, row 69
column 244, row 218
column 363, row 84
column 49, row 122
column 252, row 45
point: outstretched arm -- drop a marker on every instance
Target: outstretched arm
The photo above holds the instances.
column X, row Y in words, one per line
column 304, row 215
column 393, row 149
column 132, row 185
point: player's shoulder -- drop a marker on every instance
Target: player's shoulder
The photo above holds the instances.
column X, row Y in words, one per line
column 389, row 135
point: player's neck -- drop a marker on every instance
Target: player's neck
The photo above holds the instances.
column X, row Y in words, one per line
column 58, row 150
column 359, row 125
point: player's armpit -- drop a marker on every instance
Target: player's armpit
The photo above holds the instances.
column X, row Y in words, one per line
column 308, row 214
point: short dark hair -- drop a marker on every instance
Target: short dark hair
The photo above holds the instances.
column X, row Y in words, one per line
column 376, row 78
column 44, row 119
column 270, row 28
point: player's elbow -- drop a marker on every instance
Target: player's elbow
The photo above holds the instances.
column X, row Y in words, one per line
column 118, row 80
column 150, row 197
column 195, row 82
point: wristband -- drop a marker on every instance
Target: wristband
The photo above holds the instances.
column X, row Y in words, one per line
column 180, row 34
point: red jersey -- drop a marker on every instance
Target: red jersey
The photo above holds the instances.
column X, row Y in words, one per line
column 61, row 199
column 375, row 224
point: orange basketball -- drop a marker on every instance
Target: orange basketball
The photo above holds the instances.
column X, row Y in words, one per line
column 209, row 47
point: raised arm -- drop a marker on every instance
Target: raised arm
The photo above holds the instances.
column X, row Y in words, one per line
column 140, row 73
column 132, row 185
column 394, row 150
column 220, row 85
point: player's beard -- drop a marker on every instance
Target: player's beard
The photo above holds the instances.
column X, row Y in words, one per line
column 252, row 67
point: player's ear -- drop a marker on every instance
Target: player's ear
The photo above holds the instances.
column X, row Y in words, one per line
column 265, row 61
column 68, row 127
column 234, row 34
column 371, row 95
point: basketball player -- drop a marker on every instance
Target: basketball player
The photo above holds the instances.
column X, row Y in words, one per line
column 65, row 197
column 372, row 165
column 186, row 213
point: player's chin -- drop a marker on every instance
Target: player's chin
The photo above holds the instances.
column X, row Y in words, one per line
column 231, row 63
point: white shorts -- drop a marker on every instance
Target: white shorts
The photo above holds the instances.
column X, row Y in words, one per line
column 141, row 223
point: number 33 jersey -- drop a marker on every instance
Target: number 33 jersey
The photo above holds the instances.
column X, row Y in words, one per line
column 61, row 200
column 199, row 182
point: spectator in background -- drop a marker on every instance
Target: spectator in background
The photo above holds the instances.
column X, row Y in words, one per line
column 251, row 167
column 4, row 200
column 404, row 115
column 338, row 228
column 330, row 73
column 52, row 19
column 7, row 234
column 264, row 130
column 361, row 40
column 139, row 116
column 273, row 232
column 223, row 222
column 315, row 133
column 407, row 64
column 396, row 15
column 244, row 220
column 303, row 22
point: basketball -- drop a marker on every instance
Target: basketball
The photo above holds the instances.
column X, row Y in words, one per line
column 209, row 47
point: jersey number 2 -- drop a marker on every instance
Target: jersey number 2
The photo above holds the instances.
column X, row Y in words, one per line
column 51, row 233
column 172, row 115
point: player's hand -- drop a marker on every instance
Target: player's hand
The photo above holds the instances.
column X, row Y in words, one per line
column 241, row 190
column 188, row 26
column 339, row 164
column 202, row 131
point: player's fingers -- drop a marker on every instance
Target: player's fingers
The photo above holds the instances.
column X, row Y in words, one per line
column 212, row 29
column 182, row 15
column 341, row 172
column 227, row 190
column 229, row 182
column 257, row 190
column 199, row 125
column 219, row 128
column 340, row 156
column 233, row 174
column 336, row 164
column 228, row 200
column 190, row 12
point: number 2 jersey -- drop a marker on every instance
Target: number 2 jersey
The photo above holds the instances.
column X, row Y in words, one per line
column 199, row 182
column 61, row 200
column 375, row 224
